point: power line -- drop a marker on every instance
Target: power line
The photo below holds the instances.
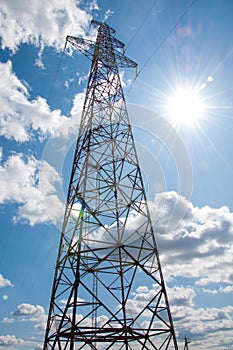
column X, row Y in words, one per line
column 56, row 73
column 163, row 41
column 140, row 26
column 168, row 34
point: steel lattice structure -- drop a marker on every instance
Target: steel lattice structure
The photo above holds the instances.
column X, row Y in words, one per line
column 107, row 252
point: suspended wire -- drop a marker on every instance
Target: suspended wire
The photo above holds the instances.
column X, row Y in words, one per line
column 188, row 8
column 56, row 73
column 168, row 34
column 140, row 26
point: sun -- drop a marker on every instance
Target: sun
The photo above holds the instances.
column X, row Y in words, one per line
column 185, row 106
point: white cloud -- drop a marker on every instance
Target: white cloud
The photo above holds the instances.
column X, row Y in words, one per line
column 12, row 342
column 200, row 322
column 178, row 296
column 70, row 125
column 78, row 103
column 93, row 5
column 28, row 310
column 22, row 117
column 39, row 61
column 42, row 22
column 181, row 296
column 31, row 313
column 198, row 244
column 8, row 320
column 210, row 291
column 23, row 174
column 4, row 282
column 227, row 289
column 9, row 340
column 82, row 79
column 68, row 82
column 168, row 210
column 107, row 14
column 41, row 327
column 19, row 115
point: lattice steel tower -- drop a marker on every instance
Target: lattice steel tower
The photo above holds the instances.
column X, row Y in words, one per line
column 108, row 289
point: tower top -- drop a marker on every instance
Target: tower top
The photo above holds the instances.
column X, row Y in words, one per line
column 103, row 24
column 106, row 45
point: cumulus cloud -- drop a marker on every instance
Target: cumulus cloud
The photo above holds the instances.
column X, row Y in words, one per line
column 78, row 103
column 10, row 340
column 31, row 313
column 28, row 310
column 198, row 245
column 200, row 322
column 70, row 126
column 19, row 115
column 227, row 289
column 4, row 282
column 189, row 319
column 43, row 22
column 181, row 296
column 23, row 174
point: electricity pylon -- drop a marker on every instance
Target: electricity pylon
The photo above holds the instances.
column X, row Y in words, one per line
column 108, row 289
column 186, row 343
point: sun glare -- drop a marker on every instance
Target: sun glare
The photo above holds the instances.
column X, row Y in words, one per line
column 185, row 106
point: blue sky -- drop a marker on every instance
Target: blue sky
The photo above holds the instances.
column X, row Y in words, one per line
column 187, row 168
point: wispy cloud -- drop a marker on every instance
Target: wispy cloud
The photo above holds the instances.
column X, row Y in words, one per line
column 4, row 282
